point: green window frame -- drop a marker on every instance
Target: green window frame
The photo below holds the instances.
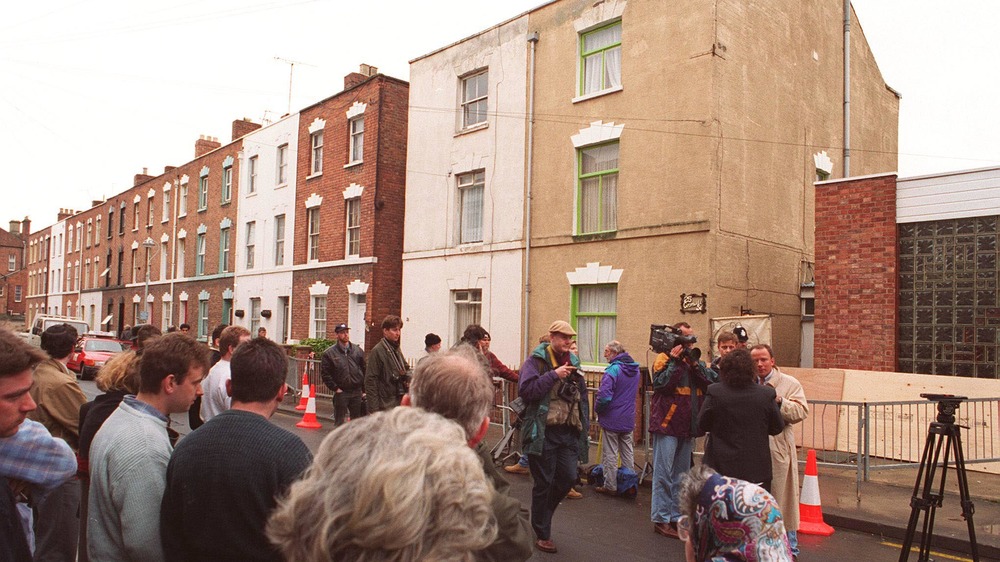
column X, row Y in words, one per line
column 199, row 263
column 224, row 247
column 202, row 193
column 600, row 58
column 595, row 318
column 597, row 188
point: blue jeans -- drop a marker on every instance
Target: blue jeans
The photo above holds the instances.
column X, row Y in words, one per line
column 671, row 459
column 553, row 473
column 793, row 541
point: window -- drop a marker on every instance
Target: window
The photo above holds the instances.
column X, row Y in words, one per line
column 90, row 231
column 254, row 316
column 166, row 314
column 227, row 184
column 70, row 237
column 76, row 276
column 79, row 236
column 251, row 245
column 353, row 226
column 279, row 240
column 97, row 230
column 135, row 217
column 135, row 265
column 149, row 216
column 121, row 264
column 181, row 247
column 203, row 319
column 199, row 262
column 468, row 305
column 86, row 275
column 598, row 189
column 202, row 193
column 470, row 192
column 313, row 233
column 97, row 269
column 121, row 219
column 164, row 259
column 11, row 262
column 135, row 314
column 357, row 139
column 17, row 293
column 252, row 175
column 316, row 139
column 182, row 201
column 283, row 164
column 224, row 250
column 474, row 99
column 595, row 317
column 319, row 317
column 165, row 215
column 601, row 59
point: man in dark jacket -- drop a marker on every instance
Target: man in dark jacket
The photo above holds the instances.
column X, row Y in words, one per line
column 343, row 371
column 556, row 424
column 615, row 406
column 386, row 377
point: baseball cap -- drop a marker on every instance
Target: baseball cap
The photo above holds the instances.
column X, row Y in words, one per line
column 341, row 328
column 561, row 327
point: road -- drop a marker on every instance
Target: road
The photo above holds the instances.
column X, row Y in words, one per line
column 597, row 527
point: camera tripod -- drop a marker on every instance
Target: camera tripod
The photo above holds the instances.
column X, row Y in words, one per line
column 942, row 433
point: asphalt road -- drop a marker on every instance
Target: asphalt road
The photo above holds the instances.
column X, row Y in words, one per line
column 597, row 527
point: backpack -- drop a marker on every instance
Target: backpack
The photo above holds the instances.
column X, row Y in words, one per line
column 595, row 475
column 628, row 482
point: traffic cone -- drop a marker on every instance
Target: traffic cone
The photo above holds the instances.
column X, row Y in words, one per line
column 810, row 507
column 309, row 420
column 305, row 391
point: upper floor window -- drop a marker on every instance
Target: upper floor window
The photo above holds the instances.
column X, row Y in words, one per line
column 224, row 245
column 353, row 226
column 203, row 193
column 97, row 230
column 601, row 59
column 279, row 240
column 282, row 164
column 199, row 262
column 182, row 200
column 252, row 175
column 121, row 219
column 227, row 184
column 357, row 149
column 475, row 99
column 316, row 140
column 313, row 233
column 251, row 245
column 149, row 217
column 135, row 216
column 597, row 198
column 165, row 215
column 90, row 231
column 11, row 262
column 470, row 192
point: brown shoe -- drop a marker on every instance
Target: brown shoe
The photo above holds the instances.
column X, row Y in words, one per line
column 666, row 529
column 573, row 494
column 516, row 469
column 605, row 491
column 546, row 545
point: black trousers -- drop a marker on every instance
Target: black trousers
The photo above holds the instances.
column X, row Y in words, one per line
column 554, row 473
column 348, row 401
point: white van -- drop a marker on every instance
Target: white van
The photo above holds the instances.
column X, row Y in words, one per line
column 43, row 322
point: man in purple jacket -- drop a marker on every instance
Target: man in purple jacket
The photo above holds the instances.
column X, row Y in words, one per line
column 615, row 406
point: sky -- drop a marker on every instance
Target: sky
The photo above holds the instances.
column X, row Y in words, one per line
column 93, row 91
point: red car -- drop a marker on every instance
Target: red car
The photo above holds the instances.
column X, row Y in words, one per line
column 92, row 352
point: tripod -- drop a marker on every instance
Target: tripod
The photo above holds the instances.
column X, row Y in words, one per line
column 942, row 433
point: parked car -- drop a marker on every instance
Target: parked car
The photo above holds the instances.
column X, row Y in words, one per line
column 92, row 352
column 43, row 322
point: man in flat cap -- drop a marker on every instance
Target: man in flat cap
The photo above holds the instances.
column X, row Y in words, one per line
column 554, row 432
column 343, row 371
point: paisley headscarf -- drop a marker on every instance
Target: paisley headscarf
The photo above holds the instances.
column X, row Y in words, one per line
column 738, row 521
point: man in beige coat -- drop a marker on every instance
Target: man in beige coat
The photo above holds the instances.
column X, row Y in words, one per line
column 784, row 459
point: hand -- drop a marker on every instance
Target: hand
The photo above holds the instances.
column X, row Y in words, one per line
column 676, row 351
column 564, row 371
column 778, row 400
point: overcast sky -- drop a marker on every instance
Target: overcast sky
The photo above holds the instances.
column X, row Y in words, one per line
column 92, row 91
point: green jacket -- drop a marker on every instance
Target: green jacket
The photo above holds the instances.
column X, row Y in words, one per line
column 535, row 383
column 385, row 366
column 515, row 537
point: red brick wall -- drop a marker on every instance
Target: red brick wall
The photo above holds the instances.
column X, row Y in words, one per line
column 856, row 274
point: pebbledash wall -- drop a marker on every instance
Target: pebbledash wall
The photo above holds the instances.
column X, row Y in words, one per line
column 907, row 272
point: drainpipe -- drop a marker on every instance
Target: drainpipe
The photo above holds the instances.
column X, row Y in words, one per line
column 533, row 40
column 847, row 88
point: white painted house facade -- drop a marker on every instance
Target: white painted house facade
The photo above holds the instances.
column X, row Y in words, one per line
column 464, row 247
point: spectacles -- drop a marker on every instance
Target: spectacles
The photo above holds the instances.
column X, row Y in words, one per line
column 684, row 528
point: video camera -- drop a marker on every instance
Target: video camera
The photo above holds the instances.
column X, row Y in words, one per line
column 947, row 405
column 663, row 338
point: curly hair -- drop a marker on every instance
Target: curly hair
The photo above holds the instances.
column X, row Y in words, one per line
column 397, row 485
column 737, row 369
column 121, row 372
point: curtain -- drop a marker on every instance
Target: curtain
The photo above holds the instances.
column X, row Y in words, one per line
column 472, row 213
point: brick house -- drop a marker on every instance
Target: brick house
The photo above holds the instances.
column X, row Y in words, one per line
column 13, row 271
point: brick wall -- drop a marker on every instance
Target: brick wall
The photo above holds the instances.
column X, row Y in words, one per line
column 856, row 274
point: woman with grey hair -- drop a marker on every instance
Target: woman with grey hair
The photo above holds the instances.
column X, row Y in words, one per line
column 727, row 519
column 396, row 485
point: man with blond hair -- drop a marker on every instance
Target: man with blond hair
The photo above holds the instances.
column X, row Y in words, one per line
column 454, row 384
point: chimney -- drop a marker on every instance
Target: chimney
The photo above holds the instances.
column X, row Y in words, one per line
column 65, row 214
column 243, row 127
column 205, row 144
column 25, row 226
column 168, row 169
column 15, row 227
column 96, row 202
column 141, row 178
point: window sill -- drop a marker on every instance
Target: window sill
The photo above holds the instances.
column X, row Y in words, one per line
column 606, row 235
column 352, row 164
column 251, row 194
column 473, row 129
column 593, row 95
column 164, row 221
column 281, row 185
column 203, row 209
column 225, row 203
column 316, row 175
column 182, row 215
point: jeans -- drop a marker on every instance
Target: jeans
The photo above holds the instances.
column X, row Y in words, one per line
column 612, row 444
column 344, row 402
column 553, row 473
column 57, row 523
column 793, row 541
column 671, row 459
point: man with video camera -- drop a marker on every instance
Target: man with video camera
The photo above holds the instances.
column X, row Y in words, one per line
column 555, row 426
column 679, row 382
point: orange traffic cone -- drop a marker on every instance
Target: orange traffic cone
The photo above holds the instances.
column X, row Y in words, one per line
column 810, row 507
column 309, row 420
column 305, row 391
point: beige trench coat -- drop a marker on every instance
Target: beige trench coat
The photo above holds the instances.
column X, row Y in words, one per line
column 784, row 460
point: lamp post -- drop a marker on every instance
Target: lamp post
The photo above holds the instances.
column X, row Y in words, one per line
column 148, row 243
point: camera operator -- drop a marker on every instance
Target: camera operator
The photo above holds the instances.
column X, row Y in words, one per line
column 679, row 382
column 554, row 431
column 386, row 375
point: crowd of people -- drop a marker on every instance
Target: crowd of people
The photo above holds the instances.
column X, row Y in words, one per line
column 109, row 480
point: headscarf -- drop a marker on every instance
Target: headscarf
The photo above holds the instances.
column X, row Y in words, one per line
column 738, row 521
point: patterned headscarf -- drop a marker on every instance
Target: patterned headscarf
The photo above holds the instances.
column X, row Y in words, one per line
column 738, row 521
